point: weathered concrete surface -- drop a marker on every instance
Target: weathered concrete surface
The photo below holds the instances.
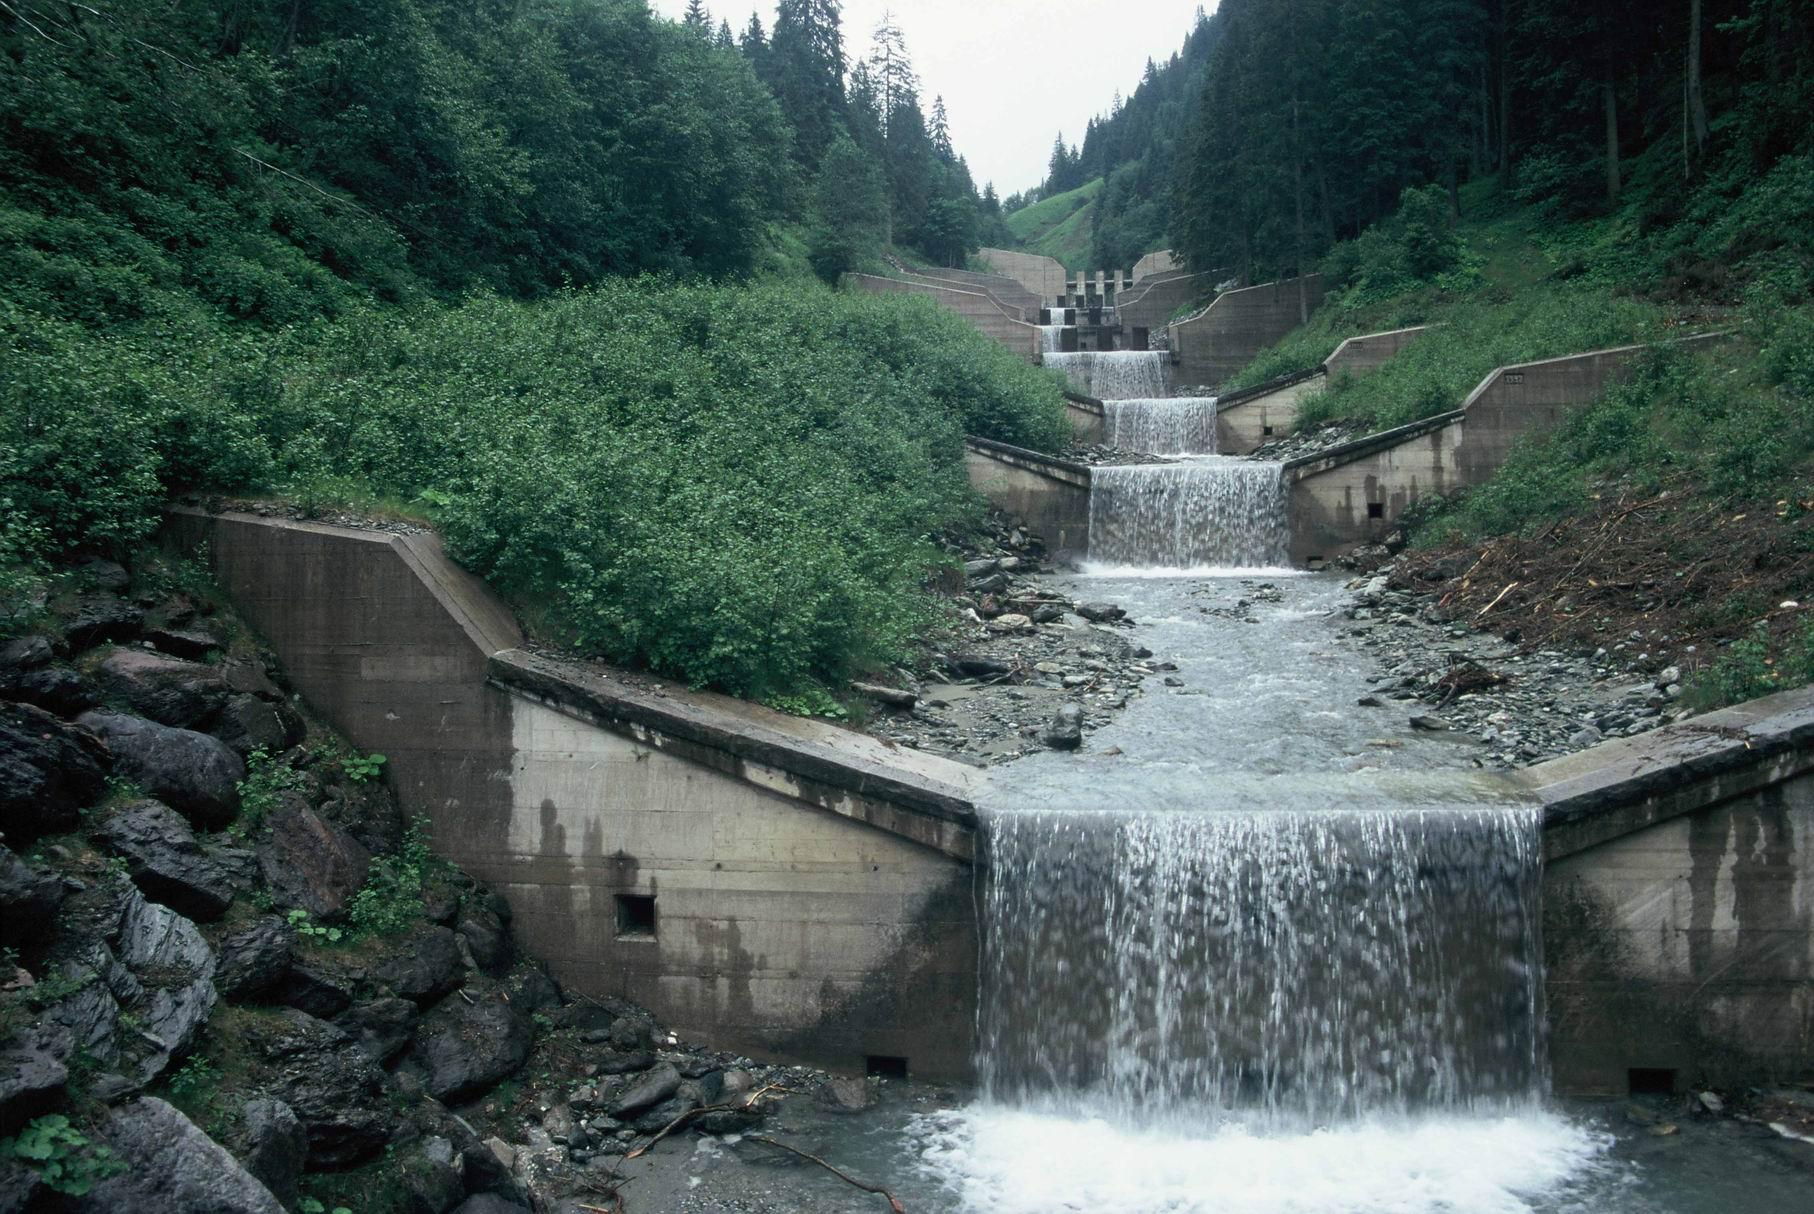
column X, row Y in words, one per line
column 1006, row 291
column 1051, row 497
column 1162, row 262
column 1150, row 304
column 1257, row 415
column 1679, row 902
column 1224, row 337
column 1088, row 423
column 811, row 886
column 981, row 310
column 1355, row 494
column 1041, row 275
column 1370, row 351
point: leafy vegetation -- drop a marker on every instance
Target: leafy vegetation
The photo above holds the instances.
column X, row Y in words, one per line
column 267, row 779
column 390, row 902
column 361, row 769
column 66, row 1160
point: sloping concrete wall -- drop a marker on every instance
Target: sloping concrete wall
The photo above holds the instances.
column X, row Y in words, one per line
column 1514, row 401
column 811, row 887
column 1041, row 275
column 1255, row 416
column 1220, row 340
column 1051, row 497
column 1359, row 355
column 1678, row 915
column 1162, row 262
column 1088, row 423
column 1150, row 305
column 980, row 310
column 1007, row 292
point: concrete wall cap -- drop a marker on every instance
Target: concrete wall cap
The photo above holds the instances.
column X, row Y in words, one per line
column 1033, row 461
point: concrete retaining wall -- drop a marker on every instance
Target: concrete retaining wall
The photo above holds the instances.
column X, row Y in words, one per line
column 1004, row 290
column 1220, row 340
column 980, row 310
column 1162, row 262
column 1258, row 415
column 1359, row 355
column 1150, row 304
column 1051, row 497
column 1088, row 423
column 1041, row 275
column 811, row 887
column 1678, row 907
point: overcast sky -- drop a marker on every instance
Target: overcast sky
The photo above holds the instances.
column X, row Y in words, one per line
column 1013, row 72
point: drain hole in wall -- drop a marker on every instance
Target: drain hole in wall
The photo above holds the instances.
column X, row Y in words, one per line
column 635, row 917
column 885, row 1066
column 1376, row 510
column 1266, row 431
column 1650, row 1081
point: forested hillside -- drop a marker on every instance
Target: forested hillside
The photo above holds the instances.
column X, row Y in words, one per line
column 387, row 254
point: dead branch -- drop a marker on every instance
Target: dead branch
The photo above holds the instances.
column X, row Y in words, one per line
column 748, row 1104
column 894, row 1202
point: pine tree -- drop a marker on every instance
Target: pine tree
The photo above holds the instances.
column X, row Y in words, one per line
column 754, row 45
column 698, row 19
column 726, row 40
column 891, row 67
column 941, row 131
column 807, row 74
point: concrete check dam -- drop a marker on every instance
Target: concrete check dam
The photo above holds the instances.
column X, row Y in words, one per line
column 1235, row 956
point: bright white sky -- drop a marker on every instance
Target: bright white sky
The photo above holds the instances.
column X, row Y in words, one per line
column 1013, row 72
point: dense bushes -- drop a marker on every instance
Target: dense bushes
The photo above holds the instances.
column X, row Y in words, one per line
column 731, row 485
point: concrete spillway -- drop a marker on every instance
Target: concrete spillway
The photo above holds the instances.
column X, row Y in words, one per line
column 1286, row 966
column 1051, row 337
column 1207, row 515
column 1114, row 374
column 1175, row 425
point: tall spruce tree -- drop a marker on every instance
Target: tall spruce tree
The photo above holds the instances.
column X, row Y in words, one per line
column 807, row 73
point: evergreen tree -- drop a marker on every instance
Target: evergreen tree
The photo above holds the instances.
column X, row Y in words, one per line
column 754, row 45
column 727, row 41
column 807, row 73
column 698, row 19
column 941, row 131
column 850, row 211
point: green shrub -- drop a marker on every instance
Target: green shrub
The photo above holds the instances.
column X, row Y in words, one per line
column 1754, row 666
column 64, row 1158
column 267, row 779
column 391, row 901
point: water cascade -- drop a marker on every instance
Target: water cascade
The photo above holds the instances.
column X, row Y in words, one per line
column 1114, row 374
column 1051, row 339
column 1176, row 425
column 1283, row 968
column 1209, row 514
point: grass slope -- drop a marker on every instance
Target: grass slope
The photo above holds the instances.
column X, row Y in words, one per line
column 1059, row 226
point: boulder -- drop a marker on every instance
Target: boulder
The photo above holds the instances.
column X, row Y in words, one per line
column 489, row 1203
column 383, row 1028
column 311, row 863
column 426, row 966
column 247, row 723
column 487, row 937
column 251, row 679
column 272, row 1145
column 463, row 1049
column 26, row 653
column 659, row 1117
column 845, row 1095
column 317, row 988
column 170, row 691
column 171, row 1167
column 55, row 689
column 431, row 1178
column 100, row 618
column 175, row 966
column 1100, row 613
column 49, row 771
column 1066, row 730
column 102, row 574
column 28, row 899
column 194, row 774
column 652, row 1089
column 255, row 959
column 165, row 860
column 33, row 1074
column 979, row 666
column 334, row 1089
column 192, row 642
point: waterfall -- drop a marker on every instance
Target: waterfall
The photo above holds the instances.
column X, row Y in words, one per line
column 1283, row 967
column 1212, row 513
column 1114, row 374
column 1177, row 425
column 1051, row 338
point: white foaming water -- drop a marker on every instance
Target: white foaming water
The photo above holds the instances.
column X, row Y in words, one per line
column 1114, row 374
column 1208, row 514
column 1008, row 1161
column 1051, row 338
column 1169, row 425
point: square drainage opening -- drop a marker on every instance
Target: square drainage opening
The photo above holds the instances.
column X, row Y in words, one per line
column 1650, row 1081
column 635, row 917
column 885, row 1066
column 1376, row 510
column 1266, row 431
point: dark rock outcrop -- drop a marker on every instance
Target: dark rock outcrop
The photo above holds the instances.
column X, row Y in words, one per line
column 100, row 618
column 166, row 861
column 175, row 969
column 255, row 959
column 247, row 723
column 463, row 1049
column 56, row 689
column 28, row 898
column 383, row 1028
column 333, row 1088
column 33, row 1075
column 172, row 1168
column 311, row 863
column 170, row 691
column 425, row 967
column 194, row 774
column 272, row 1145
column 49, row 771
